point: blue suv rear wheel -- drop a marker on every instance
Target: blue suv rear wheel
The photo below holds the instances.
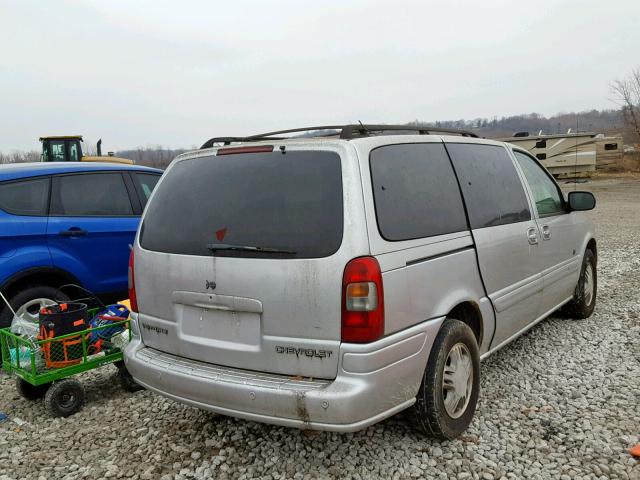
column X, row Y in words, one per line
column 27, row 301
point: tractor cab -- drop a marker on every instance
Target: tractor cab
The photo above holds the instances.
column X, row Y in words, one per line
column 68, row 148
column 61, row 149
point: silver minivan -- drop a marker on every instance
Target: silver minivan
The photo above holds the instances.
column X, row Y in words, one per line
column 332, row 279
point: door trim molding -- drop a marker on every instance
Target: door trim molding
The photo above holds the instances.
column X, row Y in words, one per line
column 511, row 295
column 523, row 330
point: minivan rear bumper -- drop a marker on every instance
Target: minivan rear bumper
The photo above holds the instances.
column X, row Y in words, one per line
column 374, row 381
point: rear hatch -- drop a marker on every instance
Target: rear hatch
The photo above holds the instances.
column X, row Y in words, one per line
column 240, row 260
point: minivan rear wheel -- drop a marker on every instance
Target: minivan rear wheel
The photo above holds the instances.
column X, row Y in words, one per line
column 446, row 401
column 584, row 297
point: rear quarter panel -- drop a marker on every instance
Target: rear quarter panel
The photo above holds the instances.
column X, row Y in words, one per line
column 423, row 278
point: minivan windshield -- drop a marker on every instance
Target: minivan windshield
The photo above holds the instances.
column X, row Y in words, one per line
column 265, row 205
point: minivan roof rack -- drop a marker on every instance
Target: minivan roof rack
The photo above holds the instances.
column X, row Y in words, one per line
column 223, row 140
column 345, row 132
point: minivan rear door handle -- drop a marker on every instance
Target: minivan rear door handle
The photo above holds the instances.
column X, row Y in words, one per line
column 73, row 232
column 532, row 236
column 546, row 232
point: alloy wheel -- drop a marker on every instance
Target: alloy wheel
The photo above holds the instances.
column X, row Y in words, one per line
column 457, row 380
column 29, row 311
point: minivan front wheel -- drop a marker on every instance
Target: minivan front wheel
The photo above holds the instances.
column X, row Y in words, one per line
column 584, row 298
column 448, row 394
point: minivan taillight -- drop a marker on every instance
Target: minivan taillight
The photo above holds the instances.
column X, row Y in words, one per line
column 132, row 285
column 362, row 301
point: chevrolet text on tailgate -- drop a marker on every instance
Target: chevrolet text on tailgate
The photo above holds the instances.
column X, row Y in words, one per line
column 332, row 280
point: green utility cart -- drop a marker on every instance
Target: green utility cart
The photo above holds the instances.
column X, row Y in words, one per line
column 45, row 367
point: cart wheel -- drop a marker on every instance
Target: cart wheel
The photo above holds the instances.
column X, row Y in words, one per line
column 31, row 392
column 127, row 382
column 64, row 398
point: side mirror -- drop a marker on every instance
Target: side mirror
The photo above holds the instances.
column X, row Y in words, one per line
column 581, row 201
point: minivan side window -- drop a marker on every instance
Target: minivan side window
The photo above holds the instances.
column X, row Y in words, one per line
column 415, row 192
column 546, row 195
column 27, row 197
column 90, row 195
column 492, row 189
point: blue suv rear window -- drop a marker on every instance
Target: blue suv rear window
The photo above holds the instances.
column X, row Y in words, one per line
column 26, row 197
column 90, row 194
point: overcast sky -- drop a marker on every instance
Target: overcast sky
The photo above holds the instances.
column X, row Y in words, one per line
column 175, row 73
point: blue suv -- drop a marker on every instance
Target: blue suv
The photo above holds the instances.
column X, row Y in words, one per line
column 66, row 223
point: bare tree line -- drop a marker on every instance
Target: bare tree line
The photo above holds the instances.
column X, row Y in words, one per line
column 152, row 156
column 20, row 156
column 599, row 121
column 627, row 93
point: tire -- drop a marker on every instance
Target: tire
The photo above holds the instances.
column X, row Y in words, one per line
column 430, row 414
column 22, row 297
column 583, row 302
column 18, row 299
column 64, row 398
column 31, row 392
column 127, row 382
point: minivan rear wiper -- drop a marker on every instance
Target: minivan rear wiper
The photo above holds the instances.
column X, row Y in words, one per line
column 215, row 247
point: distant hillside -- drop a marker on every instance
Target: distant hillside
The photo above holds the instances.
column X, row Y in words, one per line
column 604, row 121
column 157, row 156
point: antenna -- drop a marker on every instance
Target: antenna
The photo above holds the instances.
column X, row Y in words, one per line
column 8, row 305
column 575, row 162
column 363, row 127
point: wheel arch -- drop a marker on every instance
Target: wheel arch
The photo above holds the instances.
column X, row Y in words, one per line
column 469, row 312
column 592, row 245
column 50, row 276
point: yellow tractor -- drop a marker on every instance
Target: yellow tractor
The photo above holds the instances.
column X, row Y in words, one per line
column 67, row 148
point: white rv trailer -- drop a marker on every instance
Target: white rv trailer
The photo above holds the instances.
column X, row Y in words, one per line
column 564, row 155
column 610, row 150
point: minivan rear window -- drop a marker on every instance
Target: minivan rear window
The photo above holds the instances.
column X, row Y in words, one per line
column 288, row 204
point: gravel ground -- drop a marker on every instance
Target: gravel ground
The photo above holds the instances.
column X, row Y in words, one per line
column 561, row 402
